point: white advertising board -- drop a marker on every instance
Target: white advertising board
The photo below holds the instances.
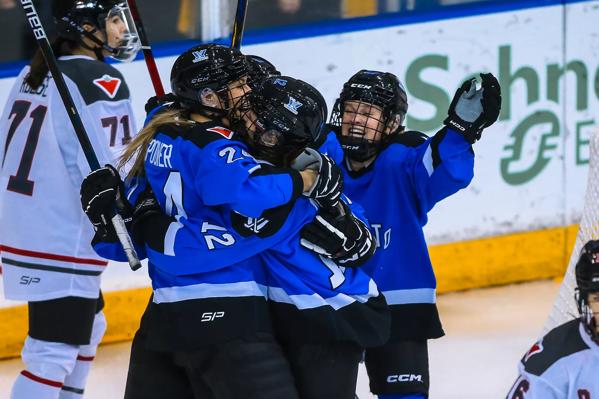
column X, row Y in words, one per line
column 531, row 165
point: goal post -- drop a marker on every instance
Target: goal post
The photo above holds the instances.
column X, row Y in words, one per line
column 565, row 309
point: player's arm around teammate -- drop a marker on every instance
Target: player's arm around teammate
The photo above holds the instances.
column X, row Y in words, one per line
column 46, row 256
column 564, row 363
column 276, row 135
column 207, row 327
column 398, row 176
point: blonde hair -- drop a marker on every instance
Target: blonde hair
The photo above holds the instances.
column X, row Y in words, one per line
column 138, row 147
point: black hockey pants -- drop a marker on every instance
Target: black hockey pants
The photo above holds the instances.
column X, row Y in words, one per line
column 241, row 369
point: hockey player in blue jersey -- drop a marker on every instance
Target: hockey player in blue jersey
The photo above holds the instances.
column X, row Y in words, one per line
column 323, row 313
column 564, row 363
column 218, row 315
column 324, row 308
column 195, row 160
column 398, row 176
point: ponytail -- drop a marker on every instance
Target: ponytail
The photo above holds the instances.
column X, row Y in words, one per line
column 136, row 150
column 38, row 68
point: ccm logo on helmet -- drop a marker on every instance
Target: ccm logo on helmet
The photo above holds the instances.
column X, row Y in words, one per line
column 211, row 316
column 360, row 86
column 404, row 378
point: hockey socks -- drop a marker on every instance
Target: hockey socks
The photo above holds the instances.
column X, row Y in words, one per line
column 74, row 383
column 46, row 366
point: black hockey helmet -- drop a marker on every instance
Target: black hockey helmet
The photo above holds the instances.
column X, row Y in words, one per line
column 207, row 67
column 372, row 88
column 290, row 116
column 587, row 281
column 71, row 16
column 259, row 68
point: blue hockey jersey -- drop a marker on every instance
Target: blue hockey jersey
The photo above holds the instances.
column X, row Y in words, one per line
column 397, row 190
column 202, row 293
column 210, row 274
column 311, row 298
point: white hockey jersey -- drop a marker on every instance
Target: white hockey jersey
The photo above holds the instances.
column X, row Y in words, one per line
column 45, row 237
column 562, row 365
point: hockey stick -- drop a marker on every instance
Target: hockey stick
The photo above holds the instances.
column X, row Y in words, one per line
column 238, row 25
column 145, row 43
column 42, row 40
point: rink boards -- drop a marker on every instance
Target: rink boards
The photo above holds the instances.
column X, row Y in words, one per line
column 517, row 220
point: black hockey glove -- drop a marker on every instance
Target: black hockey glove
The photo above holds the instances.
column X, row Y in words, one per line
column 329, row 184
column 101, row 191
column 339, row 235
column 146, row 208
column 473, row 110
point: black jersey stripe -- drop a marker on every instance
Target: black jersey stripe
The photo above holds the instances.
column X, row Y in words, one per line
column 49, row 268
column 73, row 390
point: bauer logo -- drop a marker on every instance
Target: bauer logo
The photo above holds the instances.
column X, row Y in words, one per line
column 404, row 378
column 199, row 56
column 293, row 105
column 33, row 18
column 211, row 316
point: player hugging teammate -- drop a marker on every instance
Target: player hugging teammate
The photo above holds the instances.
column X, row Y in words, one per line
column 235, row 248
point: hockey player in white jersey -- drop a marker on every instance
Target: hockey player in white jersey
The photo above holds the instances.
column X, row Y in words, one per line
column 45, row 238
column 564, row 364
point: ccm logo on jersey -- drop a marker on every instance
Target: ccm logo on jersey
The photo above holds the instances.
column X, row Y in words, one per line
column 404, row 378
column 108, row 85
column 223, row 131
column 211, row 316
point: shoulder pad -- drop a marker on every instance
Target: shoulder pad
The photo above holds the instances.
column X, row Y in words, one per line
column 96, row 80
column 410, row 138
column 203, row 134
column 173, row 130
column 560, row 342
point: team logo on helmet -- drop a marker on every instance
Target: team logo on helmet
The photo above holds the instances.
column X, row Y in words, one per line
column 199, row 56
column 293, row 105
column 280, row 82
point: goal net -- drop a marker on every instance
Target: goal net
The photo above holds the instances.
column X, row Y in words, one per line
column 564, row 308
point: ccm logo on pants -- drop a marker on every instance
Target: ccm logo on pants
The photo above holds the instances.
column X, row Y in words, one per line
column 211, row 316
column 404, row 378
